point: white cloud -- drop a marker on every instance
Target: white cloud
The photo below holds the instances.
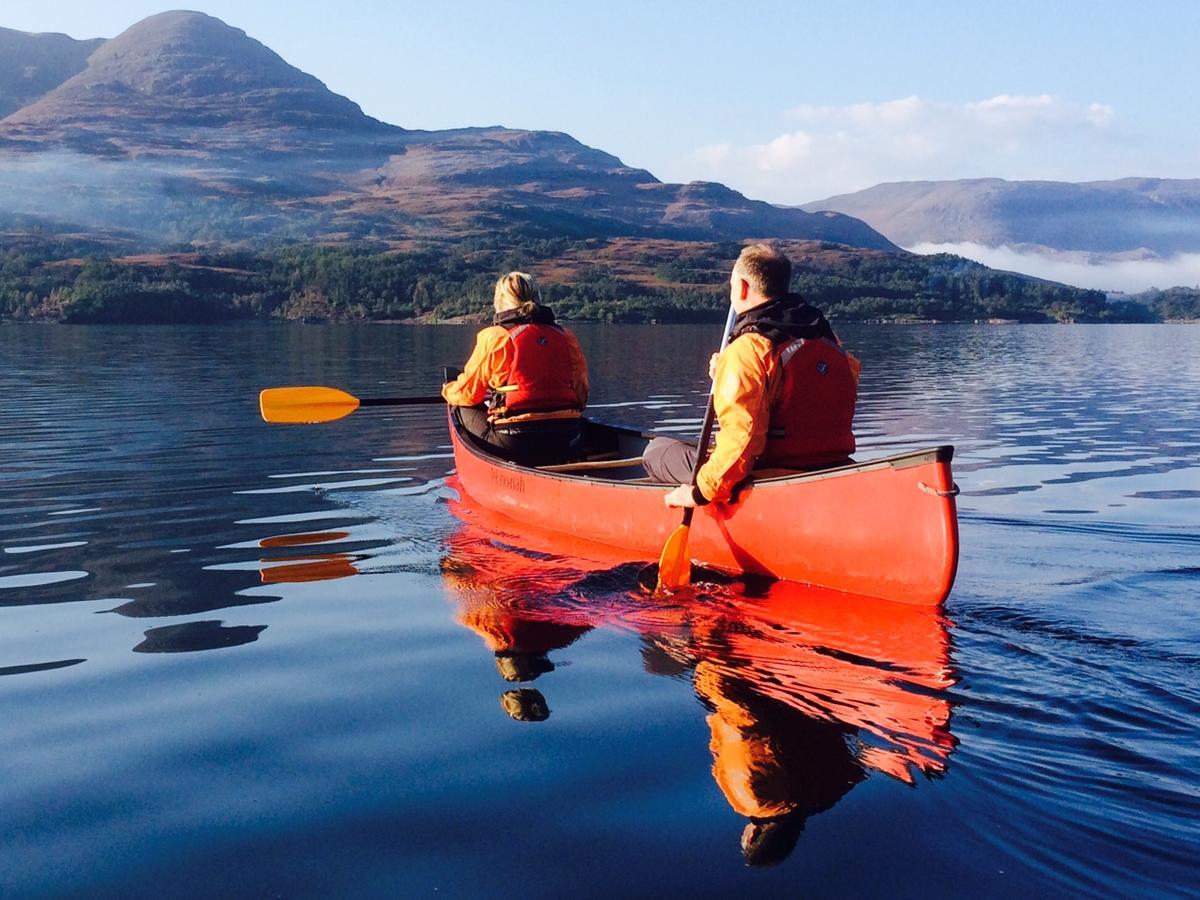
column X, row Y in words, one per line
column 840, row 149
column 1100, row 114
column 1130, row 275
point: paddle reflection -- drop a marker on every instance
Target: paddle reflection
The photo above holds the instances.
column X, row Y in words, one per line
column 305, row 568
column 807, row 691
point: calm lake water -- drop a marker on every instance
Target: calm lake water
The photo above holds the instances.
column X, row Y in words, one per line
column 250, row 660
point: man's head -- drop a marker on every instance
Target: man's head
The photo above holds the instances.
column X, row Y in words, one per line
column 525, row 705
column 767, row 842
column 760, row 274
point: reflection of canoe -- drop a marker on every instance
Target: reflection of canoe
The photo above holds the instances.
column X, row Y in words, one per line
column 771, row 661
column 879, row 668
column 883, row 528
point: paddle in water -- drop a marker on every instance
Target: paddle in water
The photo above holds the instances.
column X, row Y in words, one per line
column 308, row 405
column 674, row 565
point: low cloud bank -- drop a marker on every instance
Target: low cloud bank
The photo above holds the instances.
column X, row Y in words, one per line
column 1129, row 275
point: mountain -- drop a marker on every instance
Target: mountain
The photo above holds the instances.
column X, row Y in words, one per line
column 185, row 129
column 1131, row 216
column 32, row 64
column 186, row 69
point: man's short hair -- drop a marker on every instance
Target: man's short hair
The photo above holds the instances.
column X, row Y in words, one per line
column 765, row 269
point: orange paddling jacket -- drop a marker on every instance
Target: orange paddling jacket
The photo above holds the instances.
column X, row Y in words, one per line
column 784, row 392
column 530, row 369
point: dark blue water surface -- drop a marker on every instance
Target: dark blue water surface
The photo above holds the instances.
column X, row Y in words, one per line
column 250, row 660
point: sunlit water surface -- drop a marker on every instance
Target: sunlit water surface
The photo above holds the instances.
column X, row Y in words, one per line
column 246, row 660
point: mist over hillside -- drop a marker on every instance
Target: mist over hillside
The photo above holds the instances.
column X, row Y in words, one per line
column 1130, row 273
column 185, row 129
column 1127, row 234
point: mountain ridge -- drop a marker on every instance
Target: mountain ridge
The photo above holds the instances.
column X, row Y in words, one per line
column 34, row 64
column 188, row 68
column 1133, row 215
column 230, row 137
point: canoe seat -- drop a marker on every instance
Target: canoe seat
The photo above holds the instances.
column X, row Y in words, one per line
column 592, row 463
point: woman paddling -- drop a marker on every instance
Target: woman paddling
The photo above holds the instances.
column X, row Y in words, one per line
column 532, row 374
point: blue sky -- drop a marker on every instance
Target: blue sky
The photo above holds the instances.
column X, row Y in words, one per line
column 790, row 103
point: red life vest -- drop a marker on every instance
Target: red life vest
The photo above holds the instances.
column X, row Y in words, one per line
column 541, row 377
column 812, row 415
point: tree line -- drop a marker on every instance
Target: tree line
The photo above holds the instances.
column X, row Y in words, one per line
column 56, row 279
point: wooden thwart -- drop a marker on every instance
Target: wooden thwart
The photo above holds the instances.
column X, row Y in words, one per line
column 593, row 464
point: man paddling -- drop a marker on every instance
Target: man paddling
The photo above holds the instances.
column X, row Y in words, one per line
column 783, row 389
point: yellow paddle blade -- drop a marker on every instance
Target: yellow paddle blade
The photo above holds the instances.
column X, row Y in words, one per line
column 305, row 405
column 674, row 566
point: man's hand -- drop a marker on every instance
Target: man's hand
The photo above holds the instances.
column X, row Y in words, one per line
column 712, row 366
column 680, row 496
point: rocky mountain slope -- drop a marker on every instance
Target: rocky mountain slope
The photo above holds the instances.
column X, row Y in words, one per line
column 1131, row 217
column 183, row 128
column 34, row 64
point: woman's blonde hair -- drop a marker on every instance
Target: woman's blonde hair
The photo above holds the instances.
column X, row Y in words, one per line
column 515, row 291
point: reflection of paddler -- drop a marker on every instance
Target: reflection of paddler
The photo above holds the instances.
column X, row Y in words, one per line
column 521, row 644
column 525, row 705
column 809, row 692
column 513, row 602
column 875, row 666
column 775, row 765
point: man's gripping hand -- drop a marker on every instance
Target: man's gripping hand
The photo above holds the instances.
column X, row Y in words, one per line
column 680, row 496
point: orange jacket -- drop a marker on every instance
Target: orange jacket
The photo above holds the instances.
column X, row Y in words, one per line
column 491, row 368
column 747, row 387
column 746, row 762
column 770, row 759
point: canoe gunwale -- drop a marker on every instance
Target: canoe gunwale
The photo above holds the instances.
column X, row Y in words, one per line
column 942, row 453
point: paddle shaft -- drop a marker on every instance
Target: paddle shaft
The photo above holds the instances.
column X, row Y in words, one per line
column 400, row 401
column 674, row 567
column 710, row 415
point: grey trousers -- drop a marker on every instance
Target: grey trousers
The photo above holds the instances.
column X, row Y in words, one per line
column 669, row 460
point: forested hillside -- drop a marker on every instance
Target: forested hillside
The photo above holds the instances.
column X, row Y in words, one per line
column 621, row 280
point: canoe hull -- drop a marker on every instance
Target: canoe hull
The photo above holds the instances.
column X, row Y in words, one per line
column 886, row 528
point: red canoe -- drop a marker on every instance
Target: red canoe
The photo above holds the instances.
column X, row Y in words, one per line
column 883, row 528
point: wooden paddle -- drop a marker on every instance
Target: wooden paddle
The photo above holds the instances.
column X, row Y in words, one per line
column 306, row 405
column 674, row 565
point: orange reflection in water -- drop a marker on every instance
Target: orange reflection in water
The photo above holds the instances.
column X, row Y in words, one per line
column 808, row 690
column 311, row 567
column 302, row 569
column 302, row 540
column 516, row 602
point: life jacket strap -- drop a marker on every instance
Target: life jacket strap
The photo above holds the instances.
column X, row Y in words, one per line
column 534, row 416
